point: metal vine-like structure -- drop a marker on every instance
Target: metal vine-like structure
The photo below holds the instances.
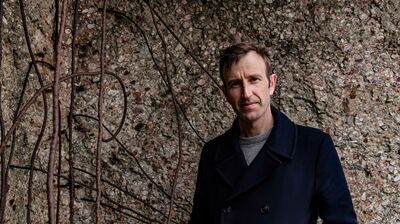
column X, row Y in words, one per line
column 53, row 171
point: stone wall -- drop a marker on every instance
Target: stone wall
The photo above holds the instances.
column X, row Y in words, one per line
column 338, row 67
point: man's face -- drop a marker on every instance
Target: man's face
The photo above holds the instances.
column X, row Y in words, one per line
column 248, row 89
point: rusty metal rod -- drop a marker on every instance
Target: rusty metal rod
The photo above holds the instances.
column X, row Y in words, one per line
column 100, row 115
column 70, row 120
column 37, row 143
column 59, row 169
column 2, row 154
column 56, row 118
column 56, row 25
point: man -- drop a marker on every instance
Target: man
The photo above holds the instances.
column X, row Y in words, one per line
column 266, row 169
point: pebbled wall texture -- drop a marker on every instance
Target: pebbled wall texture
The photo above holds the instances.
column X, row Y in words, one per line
column 338, row 67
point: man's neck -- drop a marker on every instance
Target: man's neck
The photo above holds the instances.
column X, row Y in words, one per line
column 250, row 129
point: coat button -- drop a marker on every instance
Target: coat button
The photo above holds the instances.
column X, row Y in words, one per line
column 264, row 210
column 227, row 210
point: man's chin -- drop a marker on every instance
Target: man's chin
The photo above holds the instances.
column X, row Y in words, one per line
column 248, row 117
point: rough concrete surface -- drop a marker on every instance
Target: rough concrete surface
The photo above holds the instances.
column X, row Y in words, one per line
column 338, row 67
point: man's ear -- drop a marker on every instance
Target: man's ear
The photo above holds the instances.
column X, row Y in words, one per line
column 272, row 83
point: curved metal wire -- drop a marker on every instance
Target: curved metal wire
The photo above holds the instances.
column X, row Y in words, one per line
column 56, row 154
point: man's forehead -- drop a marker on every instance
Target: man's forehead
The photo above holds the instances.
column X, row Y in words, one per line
column 249, row 62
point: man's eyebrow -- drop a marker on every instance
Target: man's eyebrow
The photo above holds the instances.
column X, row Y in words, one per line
column 232, row 80
column 254, row 75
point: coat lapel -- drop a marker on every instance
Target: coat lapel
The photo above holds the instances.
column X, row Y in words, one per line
column 232, row 167
column 230, row 161
column 283, row 138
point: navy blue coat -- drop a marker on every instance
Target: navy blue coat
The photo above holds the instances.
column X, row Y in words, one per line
column 296, row 177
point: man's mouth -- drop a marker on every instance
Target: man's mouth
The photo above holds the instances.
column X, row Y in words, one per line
column 248, row 105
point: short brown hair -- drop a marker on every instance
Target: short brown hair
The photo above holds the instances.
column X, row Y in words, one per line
column 232, row 54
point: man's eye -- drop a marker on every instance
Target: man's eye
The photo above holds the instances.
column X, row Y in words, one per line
column 234, row 84
column 254, row 79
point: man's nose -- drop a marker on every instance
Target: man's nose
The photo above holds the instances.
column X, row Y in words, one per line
column 246, row 91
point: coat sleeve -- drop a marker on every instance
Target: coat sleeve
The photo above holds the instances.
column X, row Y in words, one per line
column 333, row 195
column 198, row 215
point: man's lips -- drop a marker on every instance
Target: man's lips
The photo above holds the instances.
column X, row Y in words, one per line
column 248, row 105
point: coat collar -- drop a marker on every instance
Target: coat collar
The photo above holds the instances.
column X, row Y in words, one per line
column 283, row 137
column 231, row 164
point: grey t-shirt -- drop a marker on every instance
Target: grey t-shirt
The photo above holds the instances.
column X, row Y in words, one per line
column 251, row 146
